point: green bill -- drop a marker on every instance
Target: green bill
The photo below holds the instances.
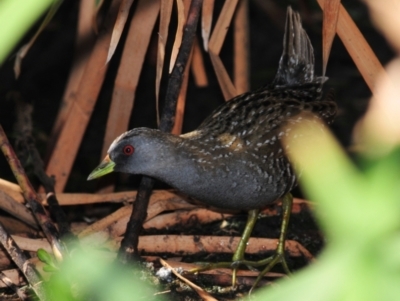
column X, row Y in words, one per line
column 105, row 167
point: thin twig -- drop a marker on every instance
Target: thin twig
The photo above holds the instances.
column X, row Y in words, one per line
column 175, row 80
column 129, row 245
column 25, row 144
column 202, row 293
column 18, row 210
column 7, row 281
column 30, row 196
column 22, row 262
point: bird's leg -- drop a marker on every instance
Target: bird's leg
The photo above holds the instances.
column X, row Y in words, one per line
column 238, row 256
column 237, row 259
column 279, row 256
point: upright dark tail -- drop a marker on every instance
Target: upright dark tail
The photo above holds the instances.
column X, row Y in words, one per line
column 296, row 65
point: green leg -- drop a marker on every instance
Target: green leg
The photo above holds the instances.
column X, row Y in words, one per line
column 237, row 259
column 238, row 256
column 279, row 256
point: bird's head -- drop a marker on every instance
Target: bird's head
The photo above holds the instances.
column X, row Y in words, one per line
column 134, row 152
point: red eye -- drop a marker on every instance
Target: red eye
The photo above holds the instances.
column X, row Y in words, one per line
column 128, row 150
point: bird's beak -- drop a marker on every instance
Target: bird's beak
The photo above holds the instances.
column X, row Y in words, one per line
column 105, row 167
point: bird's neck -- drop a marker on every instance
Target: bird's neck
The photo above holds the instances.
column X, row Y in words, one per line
column 172, row 165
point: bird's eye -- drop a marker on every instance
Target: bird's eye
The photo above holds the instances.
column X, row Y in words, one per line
column 128, row 150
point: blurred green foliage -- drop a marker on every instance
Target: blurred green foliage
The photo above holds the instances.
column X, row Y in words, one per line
column 359, row 211
column 16, row 17
column 90, row 275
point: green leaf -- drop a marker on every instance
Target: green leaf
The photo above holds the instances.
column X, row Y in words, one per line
column 44, row 256
column 17, row 16
column 50, row 268
column 359, row 212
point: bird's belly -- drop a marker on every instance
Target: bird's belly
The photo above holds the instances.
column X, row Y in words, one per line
column 240, row 189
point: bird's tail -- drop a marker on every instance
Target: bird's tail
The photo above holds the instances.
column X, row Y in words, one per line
column 296, row 65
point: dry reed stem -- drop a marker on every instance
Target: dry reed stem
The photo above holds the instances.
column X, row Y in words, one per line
column 222, row 26
column 358, row 48
column 183, row 217
column 122, row 213
column 165, row 17
column 197, row 66
column 5, row 261
column 298, row 206
column 117, row 221
column 188, row 244
column 8, row 204
column 14, row 276
column 31, row 244
column 206, row 21
column 117, row 226
column 114, row 224
column 122, row 17
column 184, row 245
column 221, row 271
column 20, row 291
column 69, row 140
column 10, row 186
column 15, row 226
column 180, row 105
column 201, row 292
column 83, row 45
column 331, row 14
column 26, row 145
column 241, row 45
column 49, row 229
column 178, row 34
column 13, row 190
column 181, row 244
column 221, row 276
column 26, row 268
column 129, row 70
column 205, row 216
column 215, row 45
column 67, row 199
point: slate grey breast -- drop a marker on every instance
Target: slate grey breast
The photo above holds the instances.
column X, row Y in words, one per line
column 235, row 159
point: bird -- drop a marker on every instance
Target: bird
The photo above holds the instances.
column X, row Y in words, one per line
column 236, row 159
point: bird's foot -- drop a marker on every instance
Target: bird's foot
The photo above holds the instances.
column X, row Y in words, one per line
column 269, row 263
column 238, row 256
